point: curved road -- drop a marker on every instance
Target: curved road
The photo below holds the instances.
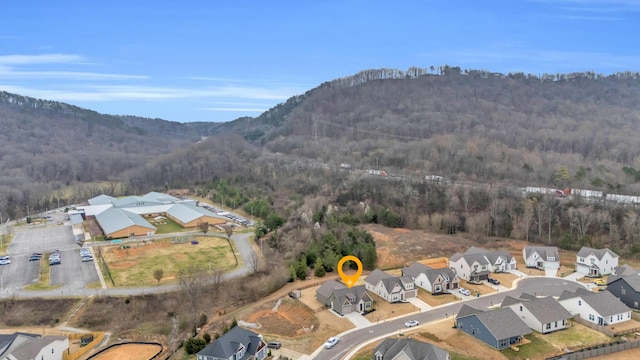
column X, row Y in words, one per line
column 541, row 286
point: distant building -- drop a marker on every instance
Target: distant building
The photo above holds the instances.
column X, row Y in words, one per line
column 19, row 346
column 389, row 287
column 338, row 297
column 236, row 344
column 127, row 216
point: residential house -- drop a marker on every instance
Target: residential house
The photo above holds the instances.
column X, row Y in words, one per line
column 541, row 257
column 475, row 264
column 435, row 281
column 543, row 315
column 626, row 287
column 499, row 328
column 600, row 308
column 236, row 344
column 408, row 349
column 623, row 270
column 596, row 262
column 18, row 346
column 342, row 299
column 389, row 287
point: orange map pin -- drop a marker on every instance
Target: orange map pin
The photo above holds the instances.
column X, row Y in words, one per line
column 349, row 280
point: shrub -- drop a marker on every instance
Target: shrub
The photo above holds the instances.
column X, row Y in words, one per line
column 193, row 345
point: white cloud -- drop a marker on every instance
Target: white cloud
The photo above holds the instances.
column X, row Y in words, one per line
column 41, row 59
column 7, row 72
column 149, row 93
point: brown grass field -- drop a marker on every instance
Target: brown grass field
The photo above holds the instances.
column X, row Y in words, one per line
column 134, row 266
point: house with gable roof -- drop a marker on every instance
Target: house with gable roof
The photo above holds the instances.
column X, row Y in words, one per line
column 338, row 297
column 475, row 264
column 19, row 346
column 543, row 315
column 408, row 349
column 435, row 281
column 236, row 344
column 541, row 257
column 498, row 328
column 389, row 287
column 625, row 285
column 601, row 308
column 596, row 262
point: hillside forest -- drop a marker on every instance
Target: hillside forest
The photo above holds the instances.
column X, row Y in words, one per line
column 487, row 135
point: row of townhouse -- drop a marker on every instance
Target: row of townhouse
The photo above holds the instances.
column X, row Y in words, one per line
column 517, row 317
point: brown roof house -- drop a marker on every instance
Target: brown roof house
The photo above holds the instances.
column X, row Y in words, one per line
column 338, row 297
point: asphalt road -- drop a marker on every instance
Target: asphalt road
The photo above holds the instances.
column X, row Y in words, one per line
column 540, row 286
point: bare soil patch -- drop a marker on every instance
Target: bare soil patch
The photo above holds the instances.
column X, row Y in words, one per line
column 435, row 300
column 291, row 319
column 34, row 312
column 400, row 247
column 129, row 352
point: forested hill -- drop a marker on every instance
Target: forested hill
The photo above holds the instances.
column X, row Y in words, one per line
column 576, row 129
column 47, row 145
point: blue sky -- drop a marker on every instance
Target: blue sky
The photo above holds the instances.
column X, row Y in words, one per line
column 219, row 60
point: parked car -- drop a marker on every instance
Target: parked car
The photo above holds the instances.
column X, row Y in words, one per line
column 331, row 342
column 411, row 323
column 54, row 262
column 464, row 291
column 600, row 281
column 493, row 281
column 35, row 258
column 87, row 258
column 274, row 345
column 5, row 262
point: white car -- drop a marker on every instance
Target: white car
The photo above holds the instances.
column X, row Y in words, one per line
column 411, row 323
column 464, row 291
column 331, row 342
column 5, row 262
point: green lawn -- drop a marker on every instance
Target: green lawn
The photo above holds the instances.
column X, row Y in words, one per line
column 166, row 226
column 134, row 266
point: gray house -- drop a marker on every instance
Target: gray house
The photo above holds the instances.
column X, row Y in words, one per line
column 237, row 344
column 499, row 328
column 408, row 349
column 338, row 297
column 626, row 287
column 544, row 315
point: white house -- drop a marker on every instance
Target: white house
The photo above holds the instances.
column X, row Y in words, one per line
column 476, row 263
column 34, row 347
column 543, row 315
column 389, row 287
column 600, row 308
column 541, row 257
column 596, row 262
column 435, row 281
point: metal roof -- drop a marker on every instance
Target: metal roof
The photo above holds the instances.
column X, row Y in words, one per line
column 114, row 219
column 101, row 200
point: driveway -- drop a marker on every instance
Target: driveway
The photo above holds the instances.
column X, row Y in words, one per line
column 421, row 305
column 574, row 276
column 358, row 320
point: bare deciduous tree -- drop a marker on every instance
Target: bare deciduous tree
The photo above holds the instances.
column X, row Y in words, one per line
column 158, row 274
column 254, row 262
column 191, row 282
column 203, row 226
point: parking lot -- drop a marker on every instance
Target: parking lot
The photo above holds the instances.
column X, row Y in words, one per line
column 72, row 272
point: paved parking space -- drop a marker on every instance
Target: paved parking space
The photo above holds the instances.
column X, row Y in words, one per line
column 72, row 273
column 423, row 306
column 42, row 239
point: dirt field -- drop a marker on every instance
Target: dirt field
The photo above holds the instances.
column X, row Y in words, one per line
column 129, row 352
column 134, row 266
column 386, row 310
column 290, row 319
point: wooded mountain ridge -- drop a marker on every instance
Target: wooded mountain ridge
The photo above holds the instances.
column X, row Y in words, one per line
column 559, row 130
